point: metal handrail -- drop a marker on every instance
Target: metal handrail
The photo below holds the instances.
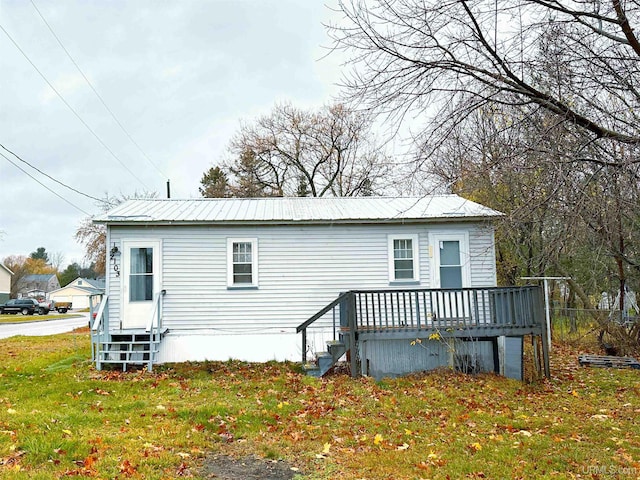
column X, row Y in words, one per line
column 97, row 328
column 153, row 326
column 156, row 309
column 98, row 320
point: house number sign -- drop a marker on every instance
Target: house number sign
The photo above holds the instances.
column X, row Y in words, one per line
column 114, row 254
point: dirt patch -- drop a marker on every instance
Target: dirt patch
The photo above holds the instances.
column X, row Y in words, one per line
column 224, row 467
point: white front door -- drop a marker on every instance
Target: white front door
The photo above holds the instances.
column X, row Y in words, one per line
column 141, row 282
column 450, row 270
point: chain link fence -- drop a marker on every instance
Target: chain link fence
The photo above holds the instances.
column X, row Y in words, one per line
column 586, row 326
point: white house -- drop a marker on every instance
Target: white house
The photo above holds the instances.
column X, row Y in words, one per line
column 5, row 283
column 239, row 275
column 78, row 292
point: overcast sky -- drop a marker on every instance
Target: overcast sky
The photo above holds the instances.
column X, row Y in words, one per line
column 180, row 76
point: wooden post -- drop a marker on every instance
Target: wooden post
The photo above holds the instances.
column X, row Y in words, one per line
column 351, row 317
column 304, row 346
column 545, row 356
column 536, row 355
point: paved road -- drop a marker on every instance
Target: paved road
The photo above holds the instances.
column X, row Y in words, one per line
column 50, row 327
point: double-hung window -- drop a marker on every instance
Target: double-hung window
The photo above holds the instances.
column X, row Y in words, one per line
column 242, row 262
column 403, row 258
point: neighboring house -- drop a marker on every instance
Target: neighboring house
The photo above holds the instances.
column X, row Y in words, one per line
column 5, row 283
column 78, row 292
column 37, row 285
column 234, row 278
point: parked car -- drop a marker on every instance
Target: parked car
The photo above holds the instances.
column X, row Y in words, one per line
column 25, row 306
column 46, row 306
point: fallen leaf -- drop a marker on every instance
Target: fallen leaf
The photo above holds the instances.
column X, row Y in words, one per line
column 475, row 447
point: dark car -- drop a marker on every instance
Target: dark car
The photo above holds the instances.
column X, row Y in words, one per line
column 25, row 306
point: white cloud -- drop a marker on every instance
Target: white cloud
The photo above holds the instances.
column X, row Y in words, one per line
column 180, row 77
column 66, row 85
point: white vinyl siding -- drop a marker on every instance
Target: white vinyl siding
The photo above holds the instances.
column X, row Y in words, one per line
column 301, row 269
column 404, row 258
column 242, row 262
column 482, row 256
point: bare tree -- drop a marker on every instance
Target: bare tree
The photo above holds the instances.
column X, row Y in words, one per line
column 93, row 236
column 431, row 55
column 296, row 152
column 56, row 259
column 561, row 77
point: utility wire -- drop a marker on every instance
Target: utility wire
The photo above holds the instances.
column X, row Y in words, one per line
column 72, row 109
column 34, row 178
column 50, row 177
column 113, row 115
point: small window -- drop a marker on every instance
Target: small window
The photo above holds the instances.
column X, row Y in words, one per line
column 403, row 258
column 450, row 264
column 242, row 262
column 141, row 275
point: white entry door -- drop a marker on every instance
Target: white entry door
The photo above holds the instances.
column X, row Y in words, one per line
column 450, row 270
column 140, row 283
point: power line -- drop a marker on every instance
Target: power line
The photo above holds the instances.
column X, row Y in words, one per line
column 113, row 115
column 72, row 109
column 35, row 179
column 50, row 177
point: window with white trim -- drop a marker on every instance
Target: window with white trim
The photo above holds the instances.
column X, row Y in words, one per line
column 242, row 262
column 403, row 258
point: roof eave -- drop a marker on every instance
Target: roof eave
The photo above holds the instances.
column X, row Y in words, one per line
column 400, row 221
column 6, row 268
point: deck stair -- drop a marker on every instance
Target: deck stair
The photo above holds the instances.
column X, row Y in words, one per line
column 124, row 348
column 326, row 360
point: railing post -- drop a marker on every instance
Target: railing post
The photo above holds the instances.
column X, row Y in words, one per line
column 304, row 346
column 93, row 356
column 353, row 347
column 545, row 336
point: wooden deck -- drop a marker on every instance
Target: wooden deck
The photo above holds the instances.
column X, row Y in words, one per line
column 480, row 314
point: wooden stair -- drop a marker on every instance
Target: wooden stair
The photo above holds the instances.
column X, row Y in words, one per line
column 129, row 347
column 326, row 360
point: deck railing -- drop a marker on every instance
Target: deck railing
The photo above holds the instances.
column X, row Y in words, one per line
column 418, row 309
column 490, row 311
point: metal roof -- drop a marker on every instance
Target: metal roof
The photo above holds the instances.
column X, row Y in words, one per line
column 287, row 210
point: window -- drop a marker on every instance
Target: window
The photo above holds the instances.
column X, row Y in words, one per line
column 403, row 258
column 141, row 275
column 242, row 264
column 450, row 264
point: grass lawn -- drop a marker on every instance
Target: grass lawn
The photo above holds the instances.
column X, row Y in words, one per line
column 61, row 418
column 34, row 318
